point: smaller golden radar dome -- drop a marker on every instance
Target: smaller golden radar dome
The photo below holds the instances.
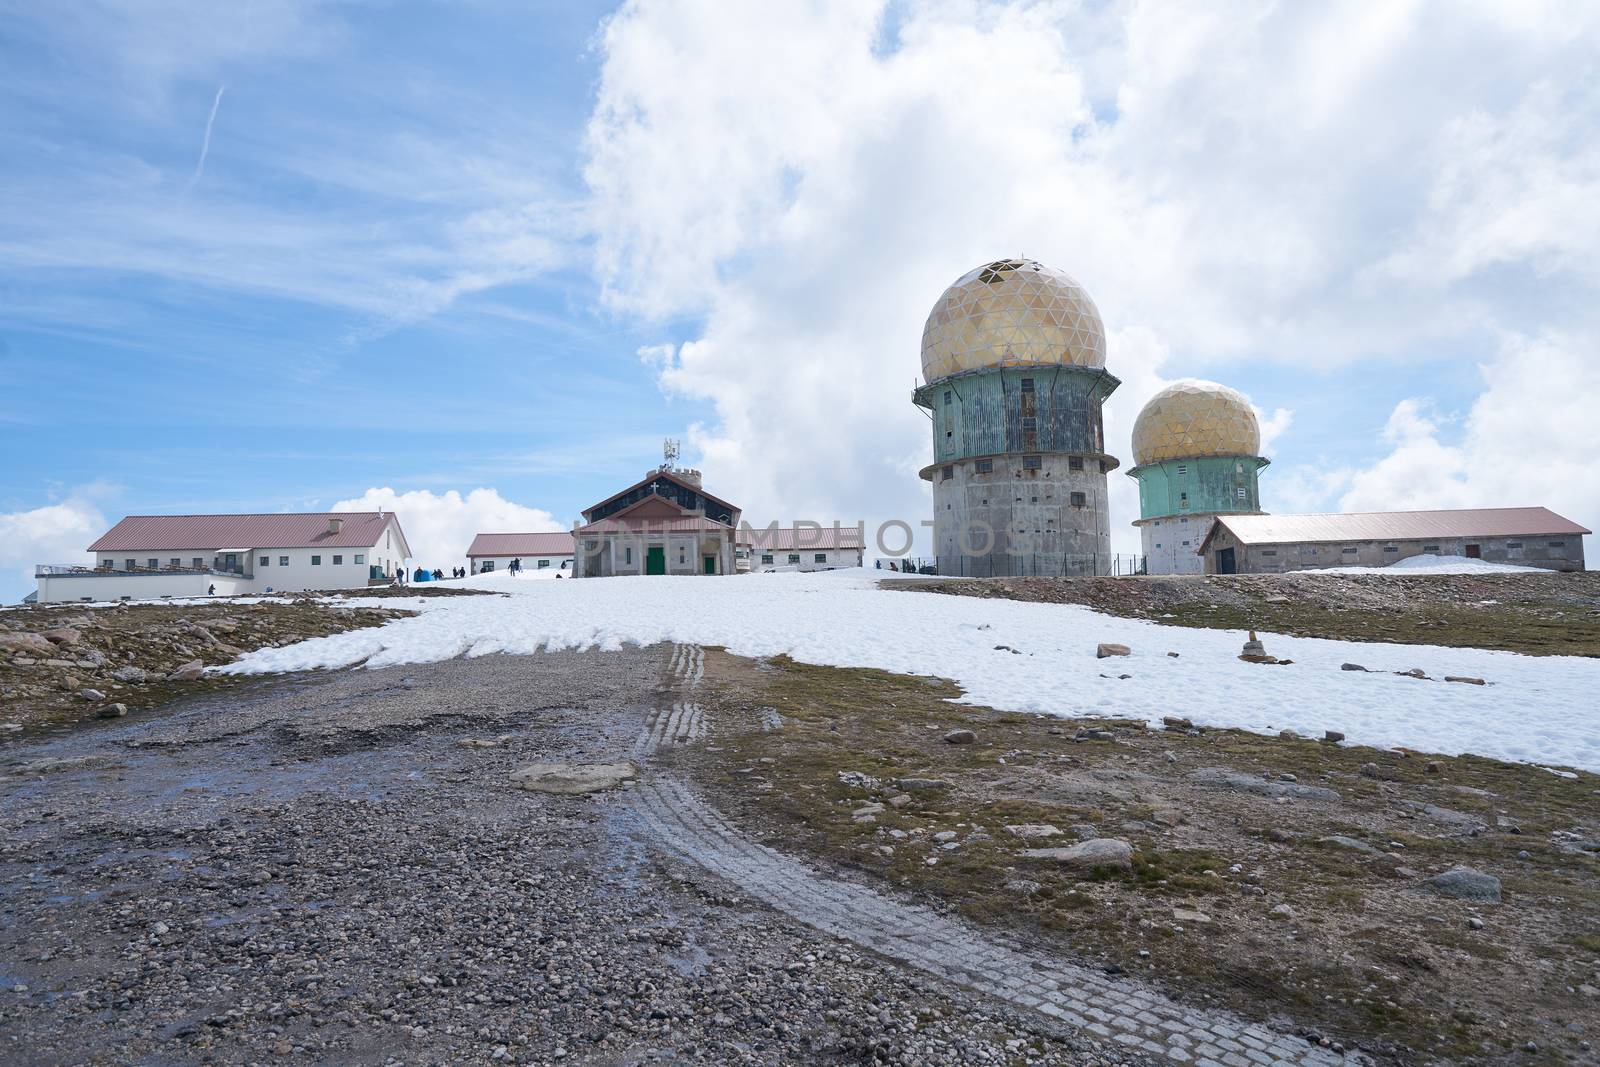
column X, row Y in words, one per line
column 1012, row 313
column 1191, row 419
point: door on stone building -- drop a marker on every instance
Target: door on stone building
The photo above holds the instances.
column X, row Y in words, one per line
column 1474, row 551
column 1225, row 564
column 655, row 560
column 711, row 564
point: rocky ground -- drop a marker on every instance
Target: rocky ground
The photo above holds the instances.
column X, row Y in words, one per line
column 1539, row 614
column 60, row 665
column 338, row 869
column 1423, row 909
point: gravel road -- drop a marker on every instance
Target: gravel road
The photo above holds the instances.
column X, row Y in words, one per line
column 317, row 870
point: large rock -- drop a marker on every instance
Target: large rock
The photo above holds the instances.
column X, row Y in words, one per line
column 571, row 779
column 188, row 672
column 1465, row 883
column 960, row 737
column 23, row 642
column 1101, row 852
column 1222, row 778
column 130, row 674
column 65, row 636
column 1105, row 649
column 1031, row 831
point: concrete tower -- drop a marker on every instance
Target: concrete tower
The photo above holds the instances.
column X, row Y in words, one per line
column 1195, row 444
column 1014, row 358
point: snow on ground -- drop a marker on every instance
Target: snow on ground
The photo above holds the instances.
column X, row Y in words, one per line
column 1538, row 709
column 1432, row 565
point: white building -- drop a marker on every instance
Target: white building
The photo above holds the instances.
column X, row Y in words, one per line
column 150, row 557
column 800, row 548
column 537, row 551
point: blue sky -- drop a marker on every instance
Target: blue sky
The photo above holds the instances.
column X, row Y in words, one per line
column 282, row 257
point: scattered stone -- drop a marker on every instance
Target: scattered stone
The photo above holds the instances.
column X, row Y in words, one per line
column 922, row 785
column 960, row 737
column 1332, row 736
column 1101, row 852
column 573, row 778
column 1285, row 836
column 1173, row 655
column 1105, row 649
column 65, row 636
column 1475, row 923
column 1431, row 767
column 1414, row 672
column 1093, row 733
column 867, row 809
column 1370, row 770
column 1465, row 883
column 1283, row 912
column 1176, row 722
column 1353, row 667
column 1186, row 915
column 1032, row 831
column 476, row 742
column 1464, row 680
column 112, row 711
column 945, row 835
column 899, row 800
column 130, row 674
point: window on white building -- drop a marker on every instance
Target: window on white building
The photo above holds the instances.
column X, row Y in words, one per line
column 1079, row 500
column 543, row 563
column 283, row 561
column 766, row 557
column 820, row 557
column 155, row 564
column 174, row 563
column 199, row 563
column 361, row 559
column 1075, row 463
column 984, row 466
column 627, row 553
column 266, row 560
column 316, row 561
column 1032, row 463
column 486, row 566
column 794, row 557
column 338, row 560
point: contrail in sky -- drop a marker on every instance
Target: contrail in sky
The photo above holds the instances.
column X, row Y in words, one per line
column 205, row 145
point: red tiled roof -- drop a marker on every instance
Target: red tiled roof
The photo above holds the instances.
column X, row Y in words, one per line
column 559, row 543
column 687, row 524
column 795, row 538
column 161, row 533
column 1394, row 525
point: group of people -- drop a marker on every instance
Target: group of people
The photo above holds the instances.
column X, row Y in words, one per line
column 423, row 574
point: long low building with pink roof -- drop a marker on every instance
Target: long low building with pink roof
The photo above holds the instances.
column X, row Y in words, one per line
column 156, row 557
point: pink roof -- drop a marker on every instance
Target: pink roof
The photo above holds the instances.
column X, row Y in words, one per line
column 559, row 543
column 794, row 538
column 182, row 533
column 687, row 524
column 1395, row 525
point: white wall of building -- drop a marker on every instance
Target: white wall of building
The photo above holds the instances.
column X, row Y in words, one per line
column 277, row 569
column 802, row 559
column 110, row 586
column 1171, row 545
column 561, row 561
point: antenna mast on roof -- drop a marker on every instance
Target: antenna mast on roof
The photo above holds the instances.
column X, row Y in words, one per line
column 669, row 454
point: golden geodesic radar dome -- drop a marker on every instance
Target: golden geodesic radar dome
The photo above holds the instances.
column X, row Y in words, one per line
column 1012, row 313
column 1189, row 419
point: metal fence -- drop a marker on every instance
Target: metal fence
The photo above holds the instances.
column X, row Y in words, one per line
column 1002, row 565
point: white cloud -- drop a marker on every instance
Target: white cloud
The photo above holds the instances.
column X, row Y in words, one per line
column 1527, row 440
column 1304, row 185
column 55, row 533
column 440, row 526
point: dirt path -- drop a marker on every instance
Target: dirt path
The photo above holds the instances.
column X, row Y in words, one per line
column 318, row 870
column 919, row 937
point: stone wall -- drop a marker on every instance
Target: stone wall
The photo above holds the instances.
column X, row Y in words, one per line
column 1562, row 552
column 1036, row 527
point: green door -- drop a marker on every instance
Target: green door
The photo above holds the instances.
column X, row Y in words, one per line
column 655, row 560
column 711, row 564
